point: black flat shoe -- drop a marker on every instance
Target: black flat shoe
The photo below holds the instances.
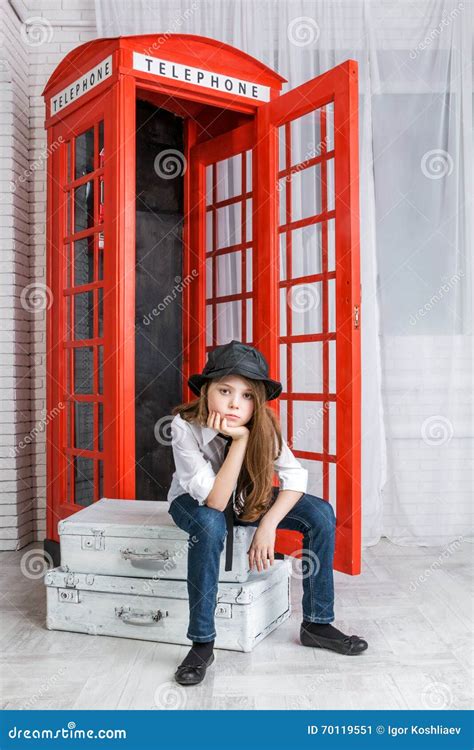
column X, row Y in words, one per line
column 187, row 675
column 349, row 646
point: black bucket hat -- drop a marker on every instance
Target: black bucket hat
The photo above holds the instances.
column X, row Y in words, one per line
column 236, row 358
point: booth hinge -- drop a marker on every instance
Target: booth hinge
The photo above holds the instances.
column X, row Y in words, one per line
column 356, row 316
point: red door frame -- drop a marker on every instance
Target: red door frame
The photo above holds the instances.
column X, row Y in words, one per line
column 339, row 86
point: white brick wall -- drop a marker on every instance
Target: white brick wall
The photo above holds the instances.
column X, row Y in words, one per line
column 25, row 65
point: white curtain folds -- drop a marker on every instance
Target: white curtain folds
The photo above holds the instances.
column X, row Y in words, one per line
column 415, row 73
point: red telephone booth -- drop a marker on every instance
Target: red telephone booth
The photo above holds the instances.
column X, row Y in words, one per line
column 142, row 230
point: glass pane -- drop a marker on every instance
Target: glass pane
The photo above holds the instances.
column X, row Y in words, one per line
column 229, row 322
column 84, row 426
column 229, row 225
column 248, row 157
column 101, row 425
column 307, row 248
column 83, row 315
column 84, row 207
column 68, row 212
column 229, row 177
column 249, row 215
column 209, row 237
column 100, row 266
column 305, row 302
column 330, row 184
column 84, row 261
column 101, row 138
column 229, row 272
column 249, row 270
column 101, row 479
column 84, row 153
column 307, row 365
column 209, row 263
column 83, row 358
column 101, row 312
column 100, row 368
column 83, row 480
column 332, row 428
column 249, row 321
column 305, row 137
column 305, row 194
column 330, row 126
column 308, row 426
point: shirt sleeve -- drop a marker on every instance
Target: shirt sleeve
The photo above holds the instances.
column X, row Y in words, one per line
column 195, row 473
column 291, row 474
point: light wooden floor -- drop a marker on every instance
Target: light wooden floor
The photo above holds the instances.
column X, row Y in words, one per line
column 419, row 635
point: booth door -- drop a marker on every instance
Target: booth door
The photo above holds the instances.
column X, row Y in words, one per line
column 274, row 242
column 76, row 278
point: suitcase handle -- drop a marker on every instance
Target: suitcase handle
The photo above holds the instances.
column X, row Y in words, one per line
column 134, row 617
column 130, row 554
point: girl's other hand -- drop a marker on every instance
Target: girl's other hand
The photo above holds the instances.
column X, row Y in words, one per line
column 219, row 423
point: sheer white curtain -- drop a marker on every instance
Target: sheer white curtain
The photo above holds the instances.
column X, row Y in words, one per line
column 415, row 76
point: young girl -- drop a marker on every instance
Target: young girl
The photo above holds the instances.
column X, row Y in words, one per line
column 231, row 410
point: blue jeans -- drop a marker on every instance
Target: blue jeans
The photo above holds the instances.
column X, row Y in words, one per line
column 207, row 530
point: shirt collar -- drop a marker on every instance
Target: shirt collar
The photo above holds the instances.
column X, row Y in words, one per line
column 208, row 434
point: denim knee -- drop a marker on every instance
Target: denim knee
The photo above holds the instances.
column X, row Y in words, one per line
column 210, row 521
column 323, row 512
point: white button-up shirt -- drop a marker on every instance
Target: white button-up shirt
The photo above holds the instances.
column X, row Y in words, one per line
column 199, row 453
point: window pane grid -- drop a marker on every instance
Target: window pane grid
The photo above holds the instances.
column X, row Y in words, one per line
column 83, row 299
column 229, row 251
column 307, row 325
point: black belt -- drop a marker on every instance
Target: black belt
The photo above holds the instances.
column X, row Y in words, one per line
column 229, row 516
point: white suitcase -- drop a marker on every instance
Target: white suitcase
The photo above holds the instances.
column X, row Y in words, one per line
column 153, row 610
column 138, row 538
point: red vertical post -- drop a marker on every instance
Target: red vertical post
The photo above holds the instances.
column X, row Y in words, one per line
column 348, row 396
column 119, row 292
column 266, row 309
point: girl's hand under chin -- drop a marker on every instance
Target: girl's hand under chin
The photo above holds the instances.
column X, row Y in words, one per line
column 219, row 423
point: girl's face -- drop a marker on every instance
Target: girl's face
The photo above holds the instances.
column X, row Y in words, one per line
column 231, row 396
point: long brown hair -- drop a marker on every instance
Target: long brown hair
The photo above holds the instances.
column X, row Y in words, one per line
column 254, row 485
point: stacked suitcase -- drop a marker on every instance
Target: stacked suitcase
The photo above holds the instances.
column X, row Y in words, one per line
column 123, row 573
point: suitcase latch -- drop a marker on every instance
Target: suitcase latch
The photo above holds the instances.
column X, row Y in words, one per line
column 97, row 541
column 68, row 595
column 223, row 610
